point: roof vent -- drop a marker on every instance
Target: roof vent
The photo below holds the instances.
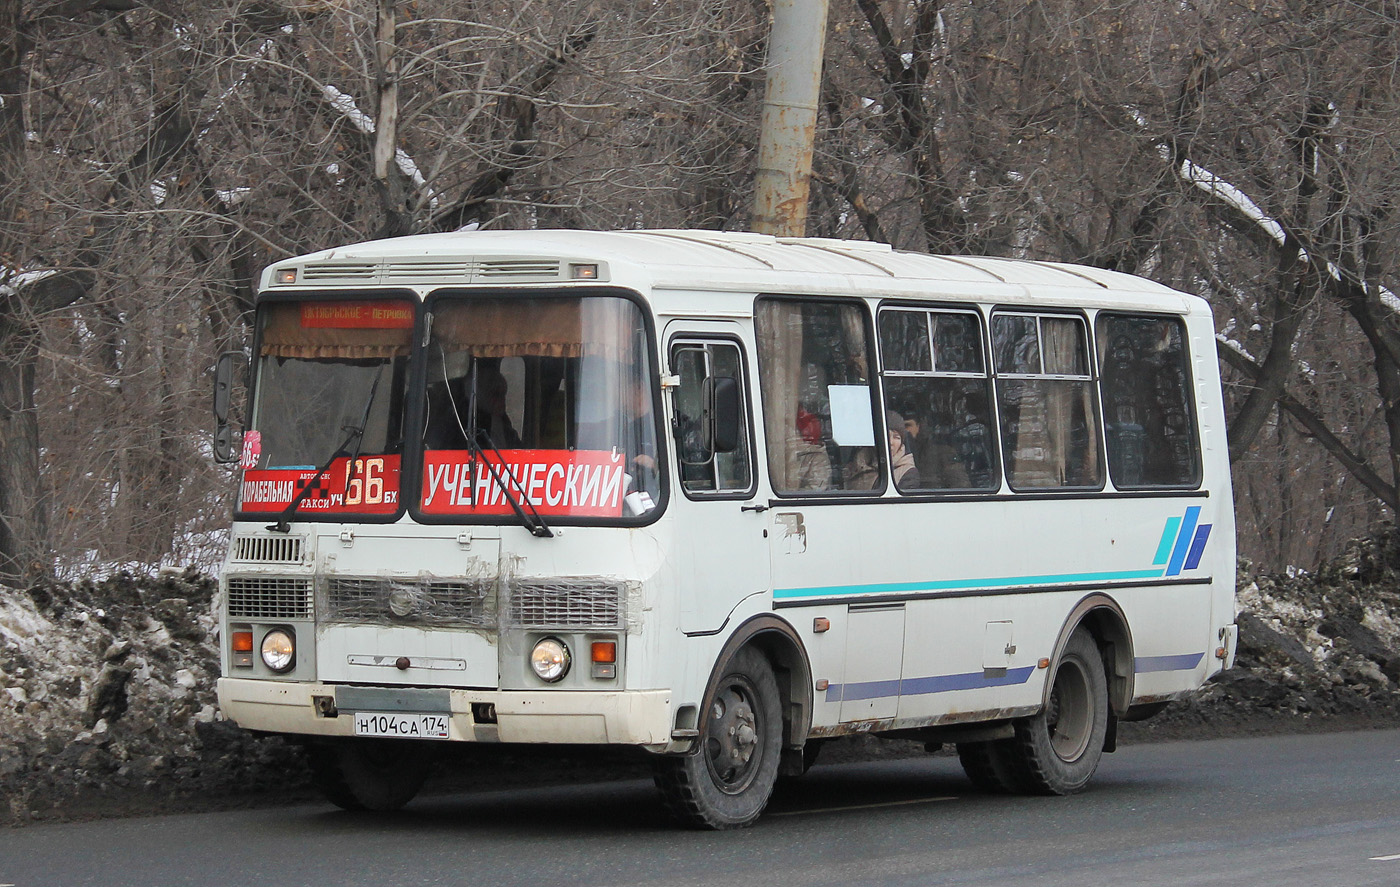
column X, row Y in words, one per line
column 515, row 269
column 460, row 272
column 329, row 271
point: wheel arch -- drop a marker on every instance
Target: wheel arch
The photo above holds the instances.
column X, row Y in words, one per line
column 1105, row 620
column 780, row 645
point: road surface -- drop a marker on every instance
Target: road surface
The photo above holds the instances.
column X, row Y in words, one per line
column 1276, row 811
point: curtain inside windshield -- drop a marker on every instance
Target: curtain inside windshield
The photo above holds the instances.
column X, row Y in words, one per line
column 552, row 392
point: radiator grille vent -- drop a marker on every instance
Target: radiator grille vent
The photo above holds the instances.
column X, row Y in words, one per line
column 410, row 602
column 566, row 605
column 269, row 597
column 268, row 549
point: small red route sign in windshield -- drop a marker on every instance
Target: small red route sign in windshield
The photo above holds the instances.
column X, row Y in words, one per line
column 373, row 489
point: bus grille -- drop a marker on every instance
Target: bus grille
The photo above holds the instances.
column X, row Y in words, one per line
column 410, row 602
column 571, row 604
column 269, row 597
column 268, row 549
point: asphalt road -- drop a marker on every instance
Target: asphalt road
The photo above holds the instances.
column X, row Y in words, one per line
column 1276, row 811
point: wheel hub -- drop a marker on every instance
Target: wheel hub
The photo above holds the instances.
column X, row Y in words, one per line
column 1068, row 714
column 732, row 739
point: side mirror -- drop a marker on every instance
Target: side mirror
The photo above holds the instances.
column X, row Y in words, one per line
column 223, row 397
column 722, row 414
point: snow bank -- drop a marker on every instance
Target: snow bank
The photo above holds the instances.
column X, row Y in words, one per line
column 107, row 695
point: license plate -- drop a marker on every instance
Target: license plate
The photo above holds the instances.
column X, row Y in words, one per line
column 401, row 726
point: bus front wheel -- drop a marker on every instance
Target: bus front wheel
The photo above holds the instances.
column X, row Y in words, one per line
column 369, row 774
column 1057, row 751
column 725, row 782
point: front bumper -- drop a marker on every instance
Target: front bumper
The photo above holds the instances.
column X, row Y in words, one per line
column 635, row 717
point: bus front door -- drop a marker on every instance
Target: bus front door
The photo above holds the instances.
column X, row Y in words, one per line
column 721, row 546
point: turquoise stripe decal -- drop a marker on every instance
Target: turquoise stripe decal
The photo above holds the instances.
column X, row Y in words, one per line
column 962, row 584
column 1164, row 547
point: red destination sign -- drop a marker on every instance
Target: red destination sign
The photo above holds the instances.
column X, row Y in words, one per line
column 576, row 483
column 357, row 315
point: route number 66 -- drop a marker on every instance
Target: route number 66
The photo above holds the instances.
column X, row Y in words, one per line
column 366, row 487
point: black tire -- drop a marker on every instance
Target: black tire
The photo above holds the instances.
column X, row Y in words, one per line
column 369, row 774
column 725, row 782
column 991, row 765
column 1057, row 751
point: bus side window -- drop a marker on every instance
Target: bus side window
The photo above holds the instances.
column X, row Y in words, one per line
column 709, row 464
column 1045, row 395
column 1147, row 409
column 936, row 380
column 818, row 412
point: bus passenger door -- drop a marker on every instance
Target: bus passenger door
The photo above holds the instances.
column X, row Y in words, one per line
column 722, row 556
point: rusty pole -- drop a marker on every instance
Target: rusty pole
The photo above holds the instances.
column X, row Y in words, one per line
column 789, row 124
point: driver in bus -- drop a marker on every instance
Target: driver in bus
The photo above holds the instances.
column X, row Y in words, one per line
column 631, row 432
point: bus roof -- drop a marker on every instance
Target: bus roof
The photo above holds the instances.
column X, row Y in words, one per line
column 712, row 260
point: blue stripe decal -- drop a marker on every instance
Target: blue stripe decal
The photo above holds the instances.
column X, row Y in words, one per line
column 865, row 690
column 1182, row 662
column 1198, row 546
column 962, row 584
column 924, row 686
column 971, row 681
column 1183, row 540
column 1164, row 547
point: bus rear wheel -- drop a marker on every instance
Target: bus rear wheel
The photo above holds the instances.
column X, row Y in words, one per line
column 369, row 774
column 725, row 782
column 990, row 765
column 1057, row 751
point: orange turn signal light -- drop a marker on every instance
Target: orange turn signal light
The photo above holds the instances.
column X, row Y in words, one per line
column 242, row 642
column 605, row 651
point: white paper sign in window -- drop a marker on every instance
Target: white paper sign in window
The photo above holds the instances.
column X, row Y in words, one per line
column 852, row 423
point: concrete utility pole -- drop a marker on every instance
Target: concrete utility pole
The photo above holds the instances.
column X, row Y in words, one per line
column 789, row 125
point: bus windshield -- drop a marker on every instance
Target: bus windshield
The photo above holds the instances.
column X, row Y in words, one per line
column 547, row 399
column 329, row 398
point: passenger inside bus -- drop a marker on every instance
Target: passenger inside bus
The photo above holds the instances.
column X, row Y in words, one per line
column 863, row 473
column 903, row 465
column 448, row 403
column 939, row 467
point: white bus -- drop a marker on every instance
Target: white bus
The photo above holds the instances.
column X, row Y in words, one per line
column 720, row 497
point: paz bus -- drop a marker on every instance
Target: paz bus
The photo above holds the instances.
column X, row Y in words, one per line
column 719, row 497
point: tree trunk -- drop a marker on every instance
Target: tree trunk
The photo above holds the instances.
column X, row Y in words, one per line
column 23, row 507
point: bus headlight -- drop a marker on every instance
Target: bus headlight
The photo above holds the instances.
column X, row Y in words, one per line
column 279, row 650
column 550, row 659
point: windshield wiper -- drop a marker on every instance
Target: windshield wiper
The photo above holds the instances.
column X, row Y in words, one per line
column 531, row 521
column 357, row 434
